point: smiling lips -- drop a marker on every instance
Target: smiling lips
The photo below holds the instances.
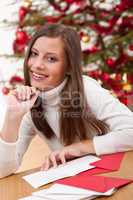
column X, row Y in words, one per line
column 38, row 77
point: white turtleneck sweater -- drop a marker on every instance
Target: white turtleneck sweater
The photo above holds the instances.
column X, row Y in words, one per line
column 102, row 104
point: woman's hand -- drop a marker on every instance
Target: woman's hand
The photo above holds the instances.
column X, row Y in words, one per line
column 21, row 100
column 72, row 151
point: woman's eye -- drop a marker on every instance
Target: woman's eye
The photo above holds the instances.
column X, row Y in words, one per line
column 51, row 59
column 33, row 53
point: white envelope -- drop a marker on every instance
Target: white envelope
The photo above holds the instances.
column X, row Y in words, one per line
column 62, row 192
column 70, row 168
column 65, row 192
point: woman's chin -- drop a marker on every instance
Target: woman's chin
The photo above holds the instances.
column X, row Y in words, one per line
column 41, row 88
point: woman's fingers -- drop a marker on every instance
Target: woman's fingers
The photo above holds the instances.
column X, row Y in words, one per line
column 46, row 164
column 68, row 152
column 25, row 92
column 28, row 92
column 62, row 157
column 57, row 157
column 53, row 160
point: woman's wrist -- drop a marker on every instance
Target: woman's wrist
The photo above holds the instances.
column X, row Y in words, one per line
column 87, row 147
column 12, row 114
column 10, row 129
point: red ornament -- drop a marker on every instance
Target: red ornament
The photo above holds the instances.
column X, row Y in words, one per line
column 93, row 49
column 94, row 74
column 121, row 60
column 127, row 22
column 131, row 47
column 124, row 4
column 16, row 79
column 100, row 29
column 5, row 90
column 18, row 48
column 110, row 62
column 73, row 1
column 69, row 1
column 120, row 8
column 22, row 13
column 118, row 77
column 113, row 20
column 51, row 19
column 127, row 3
column 123, row 99
column 104, row 77
column 20, row 42
column 115, row 85
column 22, row 37
column 130, row 78
column 104, row 13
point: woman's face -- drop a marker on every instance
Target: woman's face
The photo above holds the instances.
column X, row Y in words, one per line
column 46, row 64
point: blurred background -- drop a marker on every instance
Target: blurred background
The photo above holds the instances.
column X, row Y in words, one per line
column 105, row 28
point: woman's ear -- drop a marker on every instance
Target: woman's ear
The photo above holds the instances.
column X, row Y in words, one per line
column 68, row 73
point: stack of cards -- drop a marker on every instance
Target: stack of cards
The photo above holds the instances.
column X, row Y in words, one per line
column 65, row 192
column 77, row 180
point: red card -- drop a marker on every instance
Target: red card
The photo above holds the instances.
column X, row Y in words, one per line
column 96, row 183
column 109, row 162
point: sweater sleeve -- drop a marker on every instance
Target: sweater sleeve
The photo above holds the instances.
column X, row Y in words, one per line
column 11, row 154
column 115, row 114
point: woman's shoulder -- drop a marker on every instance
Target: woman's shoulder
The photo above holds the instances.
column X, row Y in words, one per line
column 90, row 83
column 93, row 90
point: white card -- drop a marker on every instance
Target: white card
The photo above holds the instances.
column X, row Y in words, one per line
column 70, row 168
column 65, row 192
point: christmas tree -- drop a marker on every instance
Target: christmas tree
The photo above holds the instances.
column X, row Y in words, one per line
column 106, row 31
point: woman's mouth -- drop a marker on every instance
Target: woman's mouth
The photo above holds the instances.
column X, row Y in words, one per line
column 38, row 77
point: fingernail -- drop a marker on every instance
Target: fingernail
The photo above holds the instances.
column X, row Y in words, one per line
column 41, row 169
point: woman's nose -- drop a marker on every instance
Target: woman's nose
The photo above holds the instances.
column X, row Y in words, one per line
column 39, row 63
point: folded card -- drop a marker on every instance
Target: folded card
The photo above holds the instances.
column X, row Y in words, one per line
column 96, row 183
column 70, row 168
column 65, row 192
column 109, row 162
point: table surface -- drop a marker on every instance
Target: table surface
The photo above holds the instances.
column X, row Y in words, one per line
column 14, row 187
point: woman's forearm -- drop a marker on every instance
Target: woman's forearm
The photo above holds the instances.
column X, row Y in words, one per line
column 10, row 129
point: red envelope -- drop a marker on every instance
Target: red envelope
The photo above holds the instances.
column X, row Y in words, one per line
column 96, row 183
column 94, row 171
column 110, row 162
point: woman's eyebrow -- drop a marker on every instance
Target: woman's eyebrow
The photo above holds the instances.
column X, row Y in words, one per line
column 51, row 53
column 47, row 53
column 34, row 49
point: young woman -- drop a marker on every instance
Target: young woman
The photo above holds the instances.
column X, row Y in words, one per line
column 73, row 113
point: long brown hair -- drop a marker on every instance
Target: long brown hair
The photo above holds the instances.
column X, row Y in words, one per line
column 77, row 122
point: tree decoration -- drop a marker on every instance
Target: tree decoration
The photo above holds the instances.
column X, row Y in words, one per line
column 5, row 90
column 27, row 3
column 105, row 29
column 85, row 38
column 14, row 81
column 22, row 13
